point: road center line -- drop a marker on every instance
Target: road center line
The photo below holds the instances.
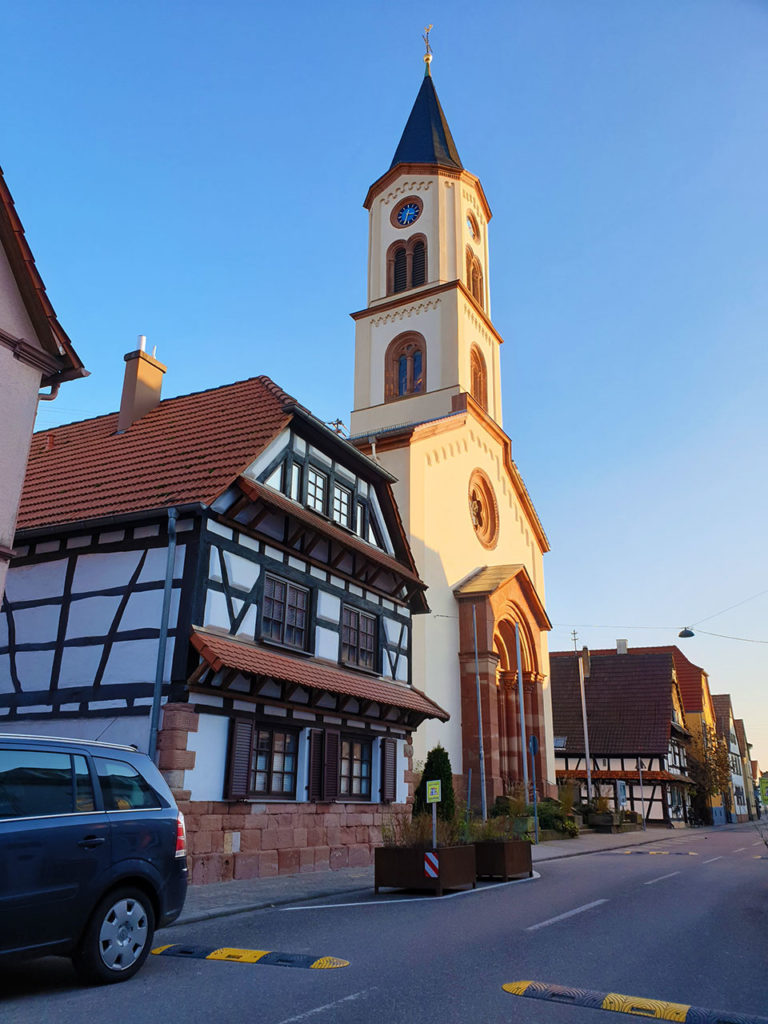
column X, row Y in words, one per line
column 712, row 860
column 661, row 878
column 327, row 1006
column 562, row 917
column 741, row 849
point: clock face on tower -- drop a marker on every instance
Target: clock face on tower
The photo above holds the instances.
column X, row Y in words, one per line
column 407, row 213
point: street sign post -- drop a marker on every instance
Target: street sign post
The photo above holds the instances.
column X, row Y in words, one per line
column 533, row 746
column 434, row 798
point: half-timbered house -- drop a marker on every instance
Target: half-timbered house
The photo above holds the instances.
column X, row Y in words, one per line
column 229, row 557
column 637, row 732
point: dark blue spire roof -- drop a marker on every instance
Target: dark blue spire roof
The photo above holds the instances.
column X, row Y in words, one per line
column 427, row 138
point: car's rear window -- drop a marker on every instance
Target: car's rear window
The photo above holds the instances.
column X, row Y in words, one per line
column 123, row 787
column 38, row 783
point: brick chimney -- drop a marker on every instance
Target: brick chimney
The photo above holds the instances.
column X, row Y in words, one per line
column 142, row 385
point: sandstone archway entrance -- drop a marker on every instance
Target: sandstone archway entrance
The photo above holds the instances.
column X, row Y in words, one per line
column 502, row 597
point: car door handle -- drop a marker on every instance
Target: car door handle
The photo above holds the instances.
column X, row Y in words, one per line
column 90, row 842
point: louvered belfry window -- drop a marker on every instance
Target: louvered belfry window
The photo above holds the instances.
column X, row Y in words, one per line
column 401, row 270
column 419, row 268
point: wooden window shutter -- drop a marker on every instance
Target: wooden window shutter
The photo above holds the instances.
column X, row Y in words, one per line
column 388, row 771
column 241, row 735
column 331, row 766
column 315, row 789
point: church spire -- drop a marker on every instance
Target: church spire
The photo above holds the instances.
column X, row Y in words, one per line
column 427, row 138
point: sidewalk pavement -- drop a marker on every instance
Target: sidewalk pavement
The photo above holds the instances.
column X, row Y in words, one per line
column 220, row 899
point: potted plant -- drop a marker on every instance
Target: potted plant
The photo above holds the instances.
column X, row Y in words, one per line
column 602, row 818
column 498, row 852
column 516, row 807
column 401, row 862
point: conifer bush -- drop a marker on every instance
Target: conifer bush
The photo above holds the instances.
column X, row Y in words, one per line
column 437, row 766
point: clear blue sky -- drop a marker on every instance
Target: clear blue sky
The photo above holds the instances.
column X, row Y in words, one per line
column 196, row 173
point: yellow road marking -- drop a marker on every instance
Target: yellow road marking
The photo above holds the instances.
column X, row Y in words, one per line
column 243, row 956
column 327, row 962
column 162, row 949
column 517, row 988
column 656, row 1008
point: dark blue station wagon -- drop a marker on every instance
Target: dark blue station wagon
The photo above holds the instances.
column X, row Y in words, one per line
column 92, row 854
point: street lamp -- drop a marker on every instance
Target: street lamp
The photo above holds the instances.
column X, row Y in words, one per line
column 686, row 632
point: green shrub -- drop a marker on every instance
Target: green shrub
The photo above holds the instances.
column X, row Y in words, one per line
column 437, row 766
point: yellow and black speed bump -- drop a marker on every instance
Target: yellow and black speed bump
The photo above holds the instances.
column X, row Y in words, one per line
column 252, row 956
column 658, row 1009
column 656, row 853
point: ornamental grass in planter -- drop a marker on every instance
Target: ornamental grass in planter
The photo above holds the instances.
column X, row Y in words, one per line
column 399, row 863
column 498, row 852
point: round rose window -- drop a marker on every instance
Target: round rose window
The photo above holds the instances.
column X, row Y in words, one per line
column 483, row 510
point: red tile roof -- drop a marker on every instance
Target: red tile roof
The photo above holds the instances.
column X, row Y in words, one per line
column 723, row 712
column 30, row 284
column 690, row 678
column 186, row 450
column 220, row 651
column 629, row 704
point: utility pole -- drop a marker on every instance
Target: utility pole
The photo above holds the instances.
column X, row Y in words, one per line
column 584, row 670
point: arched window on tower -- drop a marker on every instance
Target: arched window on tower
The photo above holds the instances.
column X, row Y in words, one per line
column 407, row 264
column 478, row 377
column 475, row 278
column 405, row 371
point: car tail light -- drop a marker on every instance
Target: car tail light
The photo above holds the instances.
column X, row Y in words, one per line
column 181, row 836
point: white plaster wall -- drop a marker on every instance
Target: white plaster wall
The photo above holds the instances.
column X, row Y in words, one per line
column 135, row 661
column 326, row 644
column 123, row 730
column 19, row 385
column 36, row 582
column 206, row 779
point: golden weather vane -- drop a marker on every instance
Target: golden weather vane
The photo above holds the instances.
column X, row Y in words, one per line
column 428, row 54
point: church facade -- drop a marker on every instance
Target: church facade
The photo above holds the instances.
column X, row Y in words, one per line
column 428, row 407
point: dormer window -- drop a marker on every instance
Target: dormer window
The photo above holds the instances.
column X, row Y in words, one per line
column 317, row 485
column 342, row 505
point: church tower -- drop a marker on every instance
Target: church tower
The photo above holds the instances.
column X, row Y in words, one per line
column 427, row 406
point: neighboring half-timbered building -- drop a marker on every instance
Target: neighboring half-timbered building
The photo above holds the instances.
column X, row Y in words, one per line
column 637, row 732
column 230, row 557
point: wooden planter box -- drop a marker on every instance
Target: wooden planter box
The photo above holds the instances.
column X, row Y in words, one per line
column 402, row 867
column 503, row 858
column 608, row 822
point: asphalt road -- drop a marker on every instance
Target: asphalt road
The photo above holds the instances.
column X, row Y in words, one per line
column 686, row 924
